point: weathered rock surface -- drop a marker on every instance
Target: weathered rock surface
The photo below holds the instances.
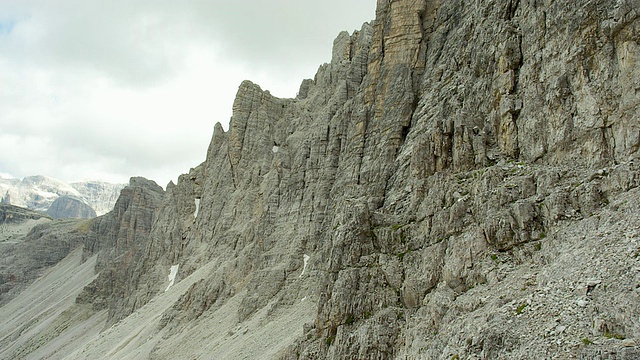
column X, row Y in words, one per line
column 11, row 214
column 120, row 240
column 460, row 181
column 99, row 194
column 70, row 207
column 6, row 199
column 31, row 242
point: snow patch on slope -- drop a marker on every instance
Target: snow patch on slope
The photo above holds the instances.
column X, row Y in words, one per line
column 172, row 276
column 195, row 215
column 306, row 261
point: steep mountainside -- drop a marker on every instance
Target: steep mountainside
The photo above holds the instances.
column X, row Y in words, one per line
column 99, row 194
column 31, row 242
column 459, row 182
column 39, row 192
column 70, row 207
column 35, row 192
column 16, row 221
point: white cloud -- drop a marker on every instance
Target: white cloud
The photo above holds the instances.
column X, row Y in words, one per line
column 109, row 90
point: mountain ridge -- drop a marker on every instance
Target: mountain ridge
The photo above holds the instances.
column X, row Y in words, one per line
column 38, row 192
column 460, row 181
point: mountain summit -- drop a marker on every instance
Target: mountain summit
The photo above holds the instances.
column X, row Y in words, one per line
column 459, row 182
column 40, row 192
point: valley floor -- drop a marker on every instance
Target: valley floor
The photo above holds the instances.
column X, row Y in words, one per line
column 44, row 322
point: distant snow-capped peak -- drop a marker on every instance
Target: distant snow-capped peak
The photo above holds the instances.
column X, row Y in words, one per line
column 38, row 192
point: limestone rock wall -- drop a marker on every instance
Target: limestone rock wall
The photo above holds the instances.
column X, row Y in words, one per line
column 70, row 207
column 435, row 191
column 121, row 239
column 30, row 242
column 100, row 195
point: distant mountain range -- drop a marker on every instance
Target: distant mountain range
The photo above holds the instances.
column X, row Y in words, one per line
column 39, row 193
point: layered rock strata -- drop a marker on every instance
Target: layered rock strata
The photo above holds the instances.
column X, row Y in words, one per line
column 70, row 207
column 438, row 138
column 30, row 243
column 460, row 181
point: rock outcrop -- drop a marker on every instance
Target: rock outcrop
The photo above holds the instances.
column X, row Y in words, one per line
column 6, row 199
column 29, row 243
column 460, row 181
column 120, row 239
column 70, row 207
column 11, row 214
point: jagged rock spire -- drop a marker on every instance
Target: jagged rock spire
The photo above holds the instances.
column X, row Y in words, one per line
column 6, row 199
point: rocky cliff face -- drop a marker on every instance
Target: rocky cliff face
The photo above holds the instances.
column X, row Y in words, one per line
column 460, row 181
column 70, row 207
column 120, row 240
column 99, row 194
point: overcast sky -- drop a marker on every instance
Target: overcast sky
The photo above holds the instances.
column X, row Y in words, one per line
column 106, row 90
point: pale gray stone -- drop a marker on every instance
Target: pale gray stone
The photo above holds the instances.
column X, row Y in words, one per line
column 456, row 175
